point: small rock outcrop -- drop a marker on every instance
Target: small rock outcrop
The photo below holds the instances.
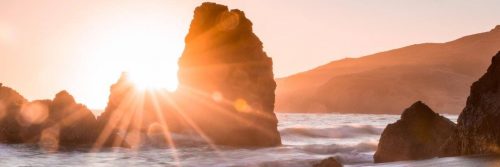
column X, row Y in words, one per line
column 50, row 123
column 226, row 79
column 478, row 124
column 10, row 104
column 134, row 112
column 419, row 134
column 75, row 122
column 329, row 162
column 122, row 97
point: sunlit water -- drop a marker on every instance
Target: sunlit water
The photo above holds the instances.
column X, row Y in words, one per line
column 306, row 138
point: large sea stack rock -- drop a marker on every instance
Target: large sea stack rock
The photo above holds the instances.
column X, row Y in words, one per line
column 226, row 79
column 479, row 122
column 419, row 134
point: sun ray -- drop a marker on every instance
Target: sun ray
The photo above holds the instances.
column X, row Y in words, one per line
column 114, row 119
column 166, row 131
column 232, row 114
column 126, row 123
column 193, row 125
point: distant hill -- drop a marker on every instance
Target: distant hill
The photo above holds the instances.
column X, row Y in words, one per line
column 439, row 74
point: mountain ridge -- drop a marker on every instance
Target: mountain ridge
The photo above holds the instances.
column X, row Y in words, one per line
column 460, row 61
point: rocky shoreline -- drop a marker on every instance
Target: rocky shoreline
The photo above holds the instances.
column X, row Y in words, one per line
column 225, row 96
column 423, row 134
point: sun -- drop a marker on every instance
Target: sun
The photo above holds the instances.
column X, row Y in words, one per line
column 145, row 79
column 145, row 45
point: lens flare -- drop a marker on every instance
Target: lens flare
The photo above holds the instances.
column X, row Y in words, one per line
column 33, row 113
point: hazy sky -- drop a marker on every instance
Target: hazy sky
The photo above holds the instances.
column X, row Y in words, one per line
column 83, row 45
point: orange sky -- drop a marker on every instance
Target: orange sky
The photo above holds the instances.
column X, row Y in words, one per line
column 82, row 46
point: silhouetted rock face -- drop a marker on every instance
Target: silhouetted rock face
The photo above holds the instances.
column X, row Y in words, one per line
column 226, row 77
column 10, row 104
column 419, row 134
column 125, row 104
column 75, row 122
column 120, row 101
column 134, row 112
column 478, row 124
column 50, row 123
column 329, row 162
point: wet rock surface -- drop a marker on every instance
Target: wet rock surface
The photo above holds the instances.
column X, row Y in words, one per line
column 419, row 134
column 329, row 162
column 478, row 124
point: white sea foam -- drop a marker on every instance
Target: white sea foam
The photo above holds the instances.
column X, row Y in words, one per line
column 307, row 138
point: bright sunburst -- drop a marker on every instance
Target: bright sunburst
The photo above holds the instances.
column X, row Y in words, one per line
column 149, row 79
column 145, row 47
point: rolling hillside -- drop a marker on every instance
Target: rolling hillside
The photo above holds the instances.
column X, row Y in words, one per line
column 439, row 74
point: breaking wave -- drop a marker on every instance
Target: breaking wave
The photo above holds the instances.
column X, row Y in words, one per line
column 346, row 131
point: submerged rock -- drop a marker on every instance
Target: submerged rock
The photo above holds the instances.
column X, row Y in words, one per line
column 226, row 79
column 329, row 162
column 478, row 124
column 419, row 134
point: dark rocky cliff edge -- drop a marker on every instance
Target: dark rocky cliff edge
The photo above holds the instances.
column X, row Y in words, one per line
column 419, row 134
column 477, row 131
column 479, row 123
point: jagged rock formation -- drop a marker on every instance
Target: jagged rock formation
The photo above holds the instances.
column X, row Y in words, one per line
column 478, row 124
column 134, row 112
column 75, row 122
column 385, row 82
column 51, row 123
column 120, row 103
column 329, row 162
column 10, row 104
column 419, row 134
column 226, row 79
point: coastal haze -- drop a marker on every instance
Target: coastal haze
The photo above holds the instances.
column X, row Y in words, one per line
column 249, row 83
column 83, row 46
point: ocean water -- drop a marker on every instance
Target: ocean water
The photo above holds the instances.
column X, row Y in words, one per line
column 306, row 138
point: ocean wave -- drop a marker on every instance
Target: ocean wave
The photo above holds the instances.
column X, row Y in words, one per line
column 336, row 148
column 346, row 131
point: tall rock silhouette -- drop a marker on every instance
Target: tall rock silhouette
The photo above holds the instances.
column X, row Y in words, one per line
column 478, row 124
column 226, row 79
